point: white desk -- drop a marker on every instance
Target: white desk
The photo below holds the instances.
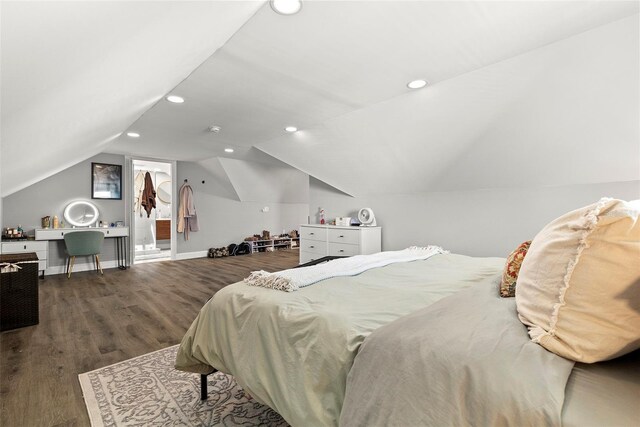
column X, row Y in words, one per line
column 119, row 233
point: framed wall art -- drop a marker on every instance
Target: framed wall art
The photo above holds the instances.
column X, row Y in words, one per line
column 106, row 181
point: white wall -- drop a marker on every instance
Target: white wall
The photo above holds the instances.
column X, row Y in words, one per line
column 255, row 181
column 51, row 195
column 223, row 219
column 488, row 222
column 482, row 162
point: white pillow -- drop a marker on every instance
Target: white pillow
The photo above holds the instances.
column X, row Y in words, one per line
column 578, row 289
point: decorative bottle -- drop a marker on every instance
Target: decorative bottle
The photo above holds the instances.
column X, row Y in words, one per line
column 55, row 221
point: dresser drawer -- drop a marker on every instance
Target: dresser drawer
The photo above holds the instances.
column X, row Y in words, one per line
column 306, row 257
column 343, row 249
column 340, row 235
column 313, row 233
column 25, row 246
column 314, row 246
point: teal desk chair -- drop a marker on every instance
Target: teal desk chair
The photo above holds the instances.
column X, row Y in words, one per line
column 83, row 243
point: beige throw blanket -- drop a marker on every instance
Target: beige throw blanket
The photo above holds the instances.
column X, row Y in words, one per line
column 296, row 278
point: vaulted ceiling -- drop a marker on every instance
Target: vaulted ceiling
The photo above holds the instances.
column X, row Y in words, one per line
column 77, row 75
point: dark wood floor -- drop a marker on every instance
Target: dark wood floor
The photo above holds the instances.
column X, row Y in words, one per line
column 92, row 321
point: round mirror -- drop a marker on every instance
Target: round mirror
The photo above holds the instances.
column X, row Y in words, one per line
column 164, row 192
column 81, row 213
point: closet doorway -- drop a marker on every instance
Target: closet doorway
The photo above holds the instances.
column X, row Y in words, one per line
column 153, row 210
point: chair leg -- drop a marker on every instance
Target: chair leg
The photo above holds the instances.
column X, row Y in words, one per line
column 73, row 260
column 99, row 266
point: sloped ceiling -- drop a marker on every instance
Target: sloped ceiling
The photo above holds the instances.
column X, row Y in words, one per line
column 76, row 74
column 337, row 71
column 567, row 113
column 262, row 182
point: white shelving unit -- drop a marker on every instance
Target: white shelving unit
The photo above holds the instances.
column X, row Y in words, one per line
column 274, row 244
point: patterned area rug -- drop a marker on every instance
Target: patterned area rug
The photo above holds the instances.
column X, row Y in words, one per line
column 148, row 391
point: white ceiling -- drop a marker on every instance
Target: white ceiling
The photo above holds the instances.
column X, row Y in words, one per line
column 567, row 113
column 76, row 74
column 337, row 70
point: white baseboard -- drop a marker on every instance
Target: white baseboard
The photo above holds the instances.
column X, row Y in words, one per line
column 61, row 269
column 191, row 255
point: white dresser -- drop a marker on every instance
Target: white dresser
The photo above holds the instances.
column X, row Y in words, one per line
column 40, row 248
column 317, row 241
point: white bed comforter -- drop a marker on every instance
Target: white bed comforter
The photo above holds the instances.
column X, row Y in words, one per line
column 296, row 278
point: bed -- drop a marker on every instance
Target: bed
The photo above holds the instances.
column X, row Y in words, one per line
column 419, row 343
column 293, row 351
column 471, row 362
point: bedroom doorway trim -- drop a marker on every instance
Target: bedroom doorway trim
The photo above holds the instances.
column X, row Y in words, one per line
column 129, row 185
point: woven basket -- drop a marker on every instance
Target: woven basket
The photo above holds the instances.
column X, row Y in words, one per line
column 18, row 290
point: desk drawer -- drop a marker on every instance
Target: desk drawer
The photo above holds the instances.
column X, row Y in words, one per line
column 40, row 248
column 313, row 233
column 343, row 249
column 25, row 246
column 50, row 234
column 344, row 235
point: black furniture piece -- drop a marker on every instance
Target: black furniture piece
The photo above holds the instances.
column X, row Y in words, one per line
column 18, row 290
column 203, row 377
column 121, row 252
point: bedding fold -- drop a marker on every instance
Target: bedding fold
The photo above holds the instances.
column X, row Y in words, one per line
column 466, row 360
column 296, row 278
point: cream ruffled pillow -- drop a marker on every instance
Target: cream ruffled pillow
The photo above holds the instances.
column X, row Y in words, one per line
column 579, row 285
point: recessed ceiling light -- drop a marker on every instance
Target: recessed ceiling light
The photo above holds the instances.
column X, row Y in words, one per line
column 291, row 129
column 175, row 99
column 286, row 7
column 228, row 150
column 417, row 84
column 133, row 134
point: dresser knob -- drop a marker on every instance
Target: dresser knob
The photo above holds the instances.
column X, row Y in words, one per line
column 341, row 250
column 342, row 236
column 311, row 247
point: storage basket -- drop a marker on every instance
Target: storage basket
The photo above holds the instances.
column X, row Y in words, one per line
column 18, row 290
